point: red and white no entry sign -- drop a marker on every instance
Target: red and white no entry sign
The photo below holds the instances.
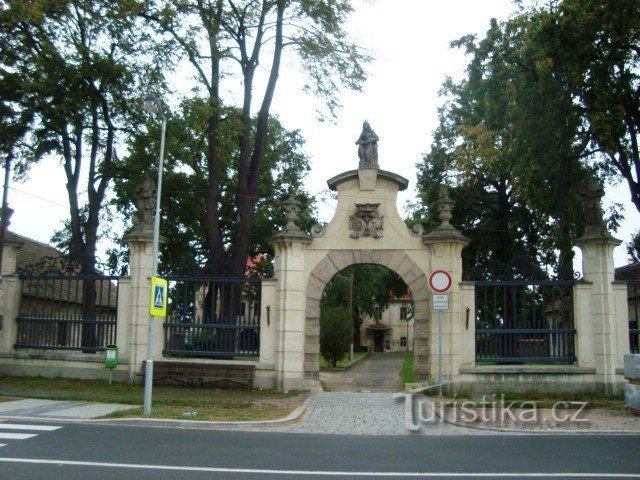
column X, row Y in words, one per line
column 440, row 281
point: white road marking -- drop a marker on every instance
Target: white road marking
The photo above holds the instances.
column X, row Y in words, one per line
column 16, row 436
column 258, row 471
column 24, row 426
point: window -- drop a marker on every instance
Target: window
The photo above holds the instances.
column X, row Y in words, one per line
column 378, row 314
column 403, row 341
column 404, row 313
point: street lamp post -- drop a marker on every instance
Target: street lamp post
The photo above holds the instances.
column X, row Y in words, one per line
column 153, row 105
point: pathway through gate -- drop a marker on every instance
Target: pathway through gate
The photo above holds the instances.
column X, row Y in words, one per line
column 379, row 372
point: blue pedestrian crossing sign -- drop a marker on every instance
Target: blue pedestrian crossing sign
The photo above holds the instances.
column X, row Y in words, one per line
column 158, row 297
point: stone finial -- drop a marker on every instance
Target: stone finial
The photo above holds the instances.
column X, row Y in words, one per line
column 145, row 205
column 368, row 147
column 445, row 207
column 591, row 196
column 291, row 232
column 291, row 208
column 445, row 232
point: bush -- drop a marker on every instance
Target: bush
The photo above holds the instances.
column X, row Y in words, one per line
column 335, row 333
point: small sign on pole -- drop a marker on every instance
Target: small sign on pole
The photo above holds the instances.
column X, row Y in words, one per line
column 440, row 302
column 158, row 297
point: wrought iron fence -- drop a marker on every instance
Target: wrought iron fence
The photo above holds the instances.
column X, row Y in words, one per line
column 213, row 317
column 633, row 299
column 67, row 312
column 525, row 321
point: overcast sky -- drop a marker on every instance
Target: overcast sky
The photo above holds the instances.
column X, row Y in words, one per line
column 410, row 40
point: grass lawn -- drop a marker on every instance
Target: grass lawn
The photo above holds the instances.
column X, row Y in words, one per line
column 407, row 368
column 344, row 362
column 168, row 401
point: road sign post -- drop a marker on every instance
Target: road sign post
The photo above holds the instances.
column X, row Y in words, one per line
column 440, row 282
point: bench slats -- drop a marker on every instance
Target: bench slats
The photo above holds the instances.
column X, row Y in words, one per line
column 201, row 374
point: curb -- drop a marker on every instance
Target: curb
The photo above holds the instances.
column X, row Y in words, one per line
column 515, row 431
column 200, row 424
column 345, row 368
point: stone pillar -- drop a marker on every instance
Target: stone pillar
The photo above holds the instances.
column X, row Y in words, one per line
column 605, row 319
column 140, row 264
column 289, row 312
column 445, row 244
column 123, row 317
column 267, row 320
column 10, row 291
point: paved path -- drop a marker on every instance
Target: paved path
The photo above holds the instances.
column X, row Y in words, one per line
column 50, row 409
column 376, row 373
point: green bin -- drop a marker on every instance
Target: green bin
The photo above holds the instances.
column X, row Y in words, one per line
column 111, row 356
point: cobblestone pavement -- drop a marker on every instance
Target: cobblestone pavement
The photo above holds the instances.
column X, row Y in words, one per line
column 358, row 413
column 376, row 373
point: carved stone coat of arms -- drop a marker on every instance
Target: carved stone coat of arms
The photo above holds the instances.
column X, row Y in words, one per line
column 366, row 222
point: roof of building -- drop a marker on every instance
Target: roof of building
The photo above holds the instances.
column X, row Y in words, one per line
column 32, row 252
column 628, row 272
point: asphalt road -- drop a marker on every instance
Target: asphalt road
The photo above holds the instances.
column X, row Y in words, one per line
column 114, row 452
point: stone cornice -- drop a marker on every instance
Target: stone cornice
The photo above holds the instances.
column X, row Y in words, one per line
column 333, row 182
column 294, row 236
column 445, row 235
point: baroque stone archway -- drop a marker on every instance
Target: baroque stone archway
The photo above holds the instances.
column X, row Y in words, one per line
column 366, row 228
column 396, row 261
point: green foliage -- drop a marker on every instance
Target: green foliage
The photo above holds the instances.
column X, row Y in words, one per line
column 593, row 48
column 509, row 149
column 71, row 72
column 226, row 42
column 185, row 181
column 373, row 287
column 406, row 374
column 335, row 333
column 633, row 248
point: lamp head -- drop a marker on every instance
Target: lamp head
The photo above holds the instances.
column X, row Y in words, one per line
column 153, row 105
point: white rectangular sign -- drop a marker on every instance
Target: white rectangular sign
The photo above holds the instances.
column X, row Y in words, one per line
column 440, row 302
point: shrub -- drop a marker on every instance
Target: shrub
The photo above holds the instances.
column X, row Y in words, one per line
column 335, row 333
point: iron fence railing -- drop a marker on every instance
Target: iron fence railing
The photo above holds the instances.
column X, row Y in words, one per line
column 633, row 299
column 67, row 312
column 213, row 317
column 525, row 321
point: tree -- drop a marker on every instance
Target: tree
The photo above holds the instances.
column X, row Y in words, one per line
column 185, row 181
column 508, row 148
column 229, row 39
column 594, row 47
column 633, row 248
column 77, row 66
column 335, row 333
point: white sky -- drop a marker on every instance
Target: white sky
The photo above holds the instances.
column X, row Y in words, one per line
column 410, row 40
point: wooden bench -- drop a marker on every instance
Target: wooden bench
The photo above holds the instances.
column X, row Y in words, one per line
column 201, row 374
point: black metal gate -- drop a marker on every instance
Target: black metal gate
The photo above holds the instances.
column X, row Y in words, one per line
column 525, row 321
column 213, row 317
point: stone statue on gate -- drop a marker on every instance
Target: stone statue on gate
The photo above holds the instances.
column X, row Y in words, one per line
column 368, row 147
column 591, row 195
column 145, row 205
